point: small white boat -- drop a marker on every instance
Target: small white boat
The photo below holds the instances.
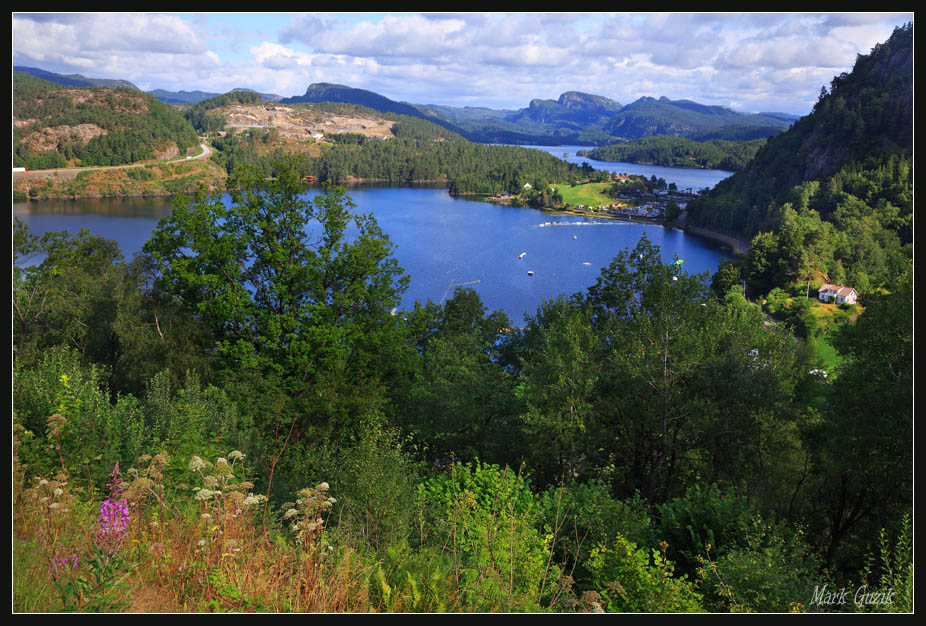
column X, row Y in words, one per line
column 530, row 272
column 521, row 256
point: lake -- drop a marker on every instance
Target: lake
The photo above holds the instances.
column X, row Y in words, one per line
column 686, row 179
column 442, row 242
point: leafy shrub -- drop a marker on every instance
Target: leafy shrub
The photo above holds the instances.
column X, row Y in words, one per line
column 893, row 571
column 484, row 517
column 376, row 492
column 140, row 174
column 631, row 580
column 774, row 571
column 700, row 519
column 580, row 516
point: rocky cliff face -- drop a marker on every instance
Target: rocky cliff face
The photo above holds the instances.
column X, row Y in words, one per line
column 578, row 101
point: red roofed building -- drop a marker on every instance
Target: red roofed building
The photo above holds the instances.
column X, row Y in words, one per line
column 838, row 294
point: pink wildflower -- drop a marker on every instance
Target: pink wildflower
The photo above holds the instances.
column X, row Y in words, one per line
column 113, row 523
column 62, row 563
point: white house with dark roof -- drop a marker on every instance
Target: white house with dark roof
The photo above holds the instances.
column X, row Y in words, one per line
column 838, row 294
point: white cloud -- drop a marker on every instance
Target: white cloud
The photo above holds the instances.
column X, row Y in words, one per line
column 403, row 36
column 790, row 52
column 755, row 60
column 275, row 56
column 143, row 48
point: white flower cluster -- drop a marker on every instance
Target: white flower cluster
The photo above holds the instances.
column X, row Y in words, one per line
column 253, row 499
column 205, row 494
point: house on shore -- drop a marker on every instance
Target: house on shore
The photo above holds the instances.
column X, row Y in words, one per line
column 838, row 294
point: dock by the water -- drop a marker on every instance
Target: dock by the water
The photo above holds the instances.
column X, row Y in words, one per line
column 595, row 223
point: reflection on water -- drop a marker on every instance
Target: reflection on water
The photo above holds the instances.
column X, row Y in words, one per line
column 155, row 207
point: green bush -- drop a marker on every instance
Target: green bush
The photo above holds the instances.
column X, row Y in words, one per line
column 774, row 571
column 890, row 574
column 375, row 482
column 140, row 174
column 69, row 407
column 484, row 517
column 580, row 516
column 631, row 580
column 703, row 520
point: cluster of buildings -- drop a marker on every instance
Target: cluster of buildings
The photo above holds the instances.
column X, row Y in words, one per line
column 649, row 210
column 642, row 204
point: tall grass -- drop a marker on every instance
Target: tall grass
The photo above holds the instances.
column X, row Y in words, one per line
column 187, row 548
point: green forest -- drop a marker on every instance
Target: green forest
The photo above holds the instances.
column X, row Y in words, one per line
column 135, row 125
column 242, row 419
column 681, row 152
column 418, row 152
column 243, row 395
column 831, row 199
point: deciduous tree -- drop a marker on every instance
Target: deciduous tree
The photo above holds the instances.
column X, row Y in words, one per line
column 292, row 288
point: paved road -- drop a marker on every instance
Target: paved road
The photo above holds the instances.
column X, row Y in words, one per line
column 71, row 172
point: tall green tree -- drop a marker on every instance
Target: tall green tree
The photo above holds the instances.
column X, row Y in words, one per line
column 462, row 400
column 293, row 290
column 69, row 297
column 560, row 373
column 690, row 390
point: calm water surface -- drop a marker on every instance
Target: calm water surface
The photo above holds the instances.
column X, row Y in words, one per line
column 693, row 179
column 442, row 242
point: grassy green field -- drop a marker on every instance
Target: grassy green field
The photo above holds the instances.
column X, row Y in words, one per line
column 590, row 194
column 829, row 315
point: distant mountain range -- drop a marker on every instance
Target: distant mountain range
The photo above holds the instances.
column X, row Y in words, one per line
column 170, row 97
column 73, row 80
column 683, row 118
column 574, row 118
column 327, row 92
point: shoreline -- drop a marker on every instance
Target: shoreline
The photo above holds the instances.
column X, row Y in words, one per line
column 738, row 247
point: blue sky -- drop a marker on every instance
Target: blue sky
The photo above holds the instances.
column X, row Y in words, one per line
column 746, row 61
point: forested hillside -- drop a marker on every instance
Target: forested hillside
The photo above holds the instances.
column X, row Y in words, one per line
column 683, row 118
column 466, row 167
column 681, row 152
column 416, row 151
column 831, row 199
column 234, row 421
column 74, row 80
column 56, row 126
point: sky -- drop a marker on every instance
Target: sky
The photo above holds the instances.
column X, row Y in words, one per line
column 749, row 62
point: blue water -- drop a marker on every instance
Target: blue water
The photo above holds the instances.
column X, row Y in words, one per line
column 686, row 179
column 441, row 242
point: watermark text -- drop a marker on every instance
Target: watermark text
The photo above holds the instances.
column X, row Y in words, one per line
column 861, row 596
